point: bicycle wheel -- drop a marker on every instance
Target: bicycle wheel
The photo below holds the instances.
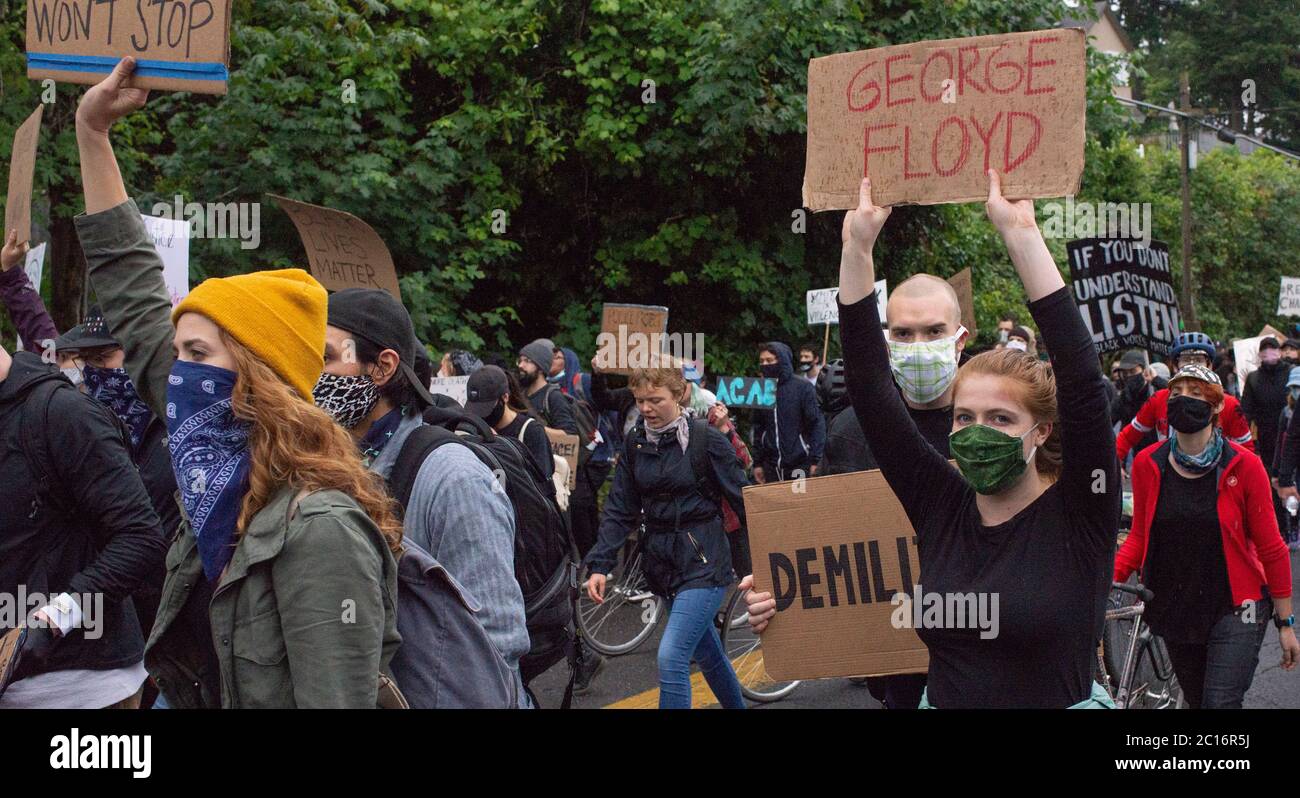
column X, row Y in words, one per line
column 628, row 615
column 1155, row 685
column 744, row 649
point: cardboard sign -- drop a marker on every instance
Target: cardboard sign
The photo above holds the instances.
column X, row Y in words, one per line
column 753, row 392
column 1273, row 331
column 1288, row 301
column 181, row 45
column 961, row 283
column 22, row 167
column 834, row 555
column 631, row 336
column 455, row 387
column 927, row 120
column 34, row 267
column 1124, row 293
column 1245, row 351
column 171, row 237
column 822, row 307
column 343, row 251
column 565, row 444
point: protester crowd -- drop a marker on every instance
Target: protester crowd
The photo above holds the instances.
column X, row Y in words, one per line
column 274, row 510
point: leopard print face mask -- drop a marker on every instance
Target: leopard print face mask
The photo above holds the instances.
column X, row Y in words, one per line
column 347, row 399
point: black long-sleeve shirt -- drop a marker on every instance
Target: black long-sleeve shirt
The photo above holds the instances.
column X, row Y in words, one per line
column 1049, row 567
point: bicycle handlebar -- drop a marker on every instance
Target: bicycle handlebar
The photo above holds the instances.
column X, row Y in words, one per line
column 1136, row 590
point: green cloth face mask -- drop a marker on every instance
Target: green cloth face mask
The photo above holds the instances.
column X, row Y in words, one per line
column 989, row 459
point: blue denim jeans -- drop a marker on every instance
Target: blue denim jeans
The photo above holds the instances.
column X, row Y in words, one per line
column 1217, row 675
column 691, row 635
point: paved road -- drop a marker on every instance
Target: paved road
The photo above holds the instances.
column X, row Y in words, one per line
column 631, row 681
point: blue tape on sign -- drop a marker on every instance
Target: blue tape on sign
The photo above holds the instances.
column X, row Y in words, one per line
column 145, row 68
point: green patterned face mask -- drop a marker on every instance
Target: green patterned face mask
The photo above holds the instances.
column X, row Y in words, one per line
column 989, row 459
column 924, row 369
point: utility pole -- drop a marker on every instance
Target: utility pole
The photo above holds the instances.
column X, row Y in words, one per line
column 1184, row 127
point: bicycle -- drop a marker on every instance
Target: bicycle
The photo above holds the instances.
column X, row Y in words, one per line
column 1144, row 678
column 630, row 613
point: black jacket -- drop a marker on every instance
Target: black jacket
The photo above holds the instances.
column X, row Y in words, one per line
column 792, row 435
column 154, row 462
column 106, row 543
column 560, row 413
column 1262, row 402
column 685, row 545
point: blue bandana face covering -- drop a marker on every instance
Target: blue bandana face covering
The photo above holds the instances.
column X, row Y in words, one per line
column 113, row 388
column 209, row 449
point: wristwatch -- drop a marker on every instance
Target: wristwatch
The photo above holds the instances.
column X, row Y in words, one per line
column 1282, row 623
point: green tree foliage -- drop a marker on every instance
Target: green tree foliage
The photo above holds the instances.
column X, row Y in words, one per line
column 473, row 114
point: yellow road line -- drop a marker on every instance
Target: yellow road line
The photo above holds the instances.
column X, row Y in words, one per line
column 701, row 695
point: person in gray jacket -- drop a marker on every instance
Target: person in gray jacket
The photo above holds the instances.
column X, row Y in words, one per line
column 456, row 512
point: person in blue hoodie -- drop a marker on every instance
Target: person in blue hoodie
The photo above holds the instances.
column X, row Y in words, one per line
column 789, row 438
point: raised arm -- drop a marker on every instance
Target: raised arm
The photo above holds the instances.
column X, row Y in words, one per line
column 918, row 475
column 122, row 262
column 22, row 299
column 1090, row 480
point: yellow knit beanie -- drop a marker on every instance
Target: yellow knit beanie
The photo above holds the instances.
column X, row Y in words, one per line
column 278, row 315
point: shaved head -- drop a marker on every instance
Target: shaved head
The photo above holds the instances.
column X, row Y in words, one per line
column 926, row 288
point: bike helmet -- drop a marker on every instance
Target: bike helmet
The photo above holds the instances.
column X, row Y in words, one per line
column 832, row 393
column 1193, row 341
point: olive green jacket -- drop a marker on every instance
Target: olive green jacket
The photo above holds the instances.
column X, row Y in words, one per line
column 305, row 615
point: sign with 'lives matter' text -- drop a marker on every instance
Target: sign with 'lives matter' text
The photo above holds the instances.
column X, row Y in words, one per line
column 343, row 251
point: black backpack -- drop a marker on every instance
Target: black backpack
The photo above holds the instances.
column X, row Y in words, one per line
column 582, row 414
column 546, row 558
column 36, row 450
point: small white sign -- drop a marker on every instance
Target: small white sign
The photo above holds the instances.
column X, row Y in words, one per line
column 1288, row 301
column 171, row 237
column 1246, row 353
column 455, row 387
column 822, row 308
column 34, row 266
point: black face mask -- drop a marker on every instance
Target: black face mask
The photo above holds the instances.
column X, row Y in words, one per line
column 1135, row 384
column 772, row 370
column 496, row 414
column 805, row 366
column 1189, row 414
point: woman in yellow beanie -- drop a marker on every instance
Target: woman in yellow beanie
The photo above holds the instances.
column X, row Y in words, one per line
column 281, row 584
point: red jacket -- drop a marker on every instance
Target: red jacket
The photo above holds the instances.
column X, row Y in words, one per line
column 1155, row 415
column 1252, row 546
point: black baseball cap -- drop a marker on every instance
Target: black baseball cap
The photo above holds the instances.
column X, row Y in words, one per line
column 90, row 334
column 381, row 319
column 1269, row 343
column 484, row 389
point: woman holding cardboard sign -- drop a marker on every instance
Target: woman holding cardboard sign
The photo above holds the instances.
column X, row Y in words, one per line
column 1031, row 512
column 676, row 470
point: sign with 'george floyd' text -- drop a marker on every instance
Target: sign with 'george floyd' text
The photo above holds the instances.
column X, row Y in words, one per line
column 181, row 45
column 1124, row 293
column 927, row 120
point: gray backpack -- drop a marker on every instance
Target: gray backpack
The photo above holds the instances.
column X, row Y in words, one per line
column 446, row 660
